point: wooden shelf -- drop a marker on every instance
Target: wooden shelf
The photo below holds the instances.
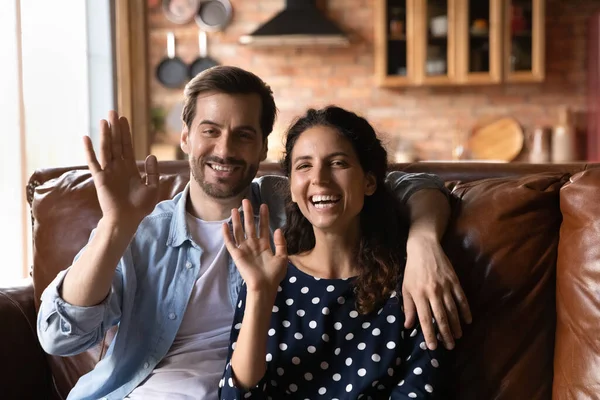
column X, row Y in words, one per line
column 461, row 48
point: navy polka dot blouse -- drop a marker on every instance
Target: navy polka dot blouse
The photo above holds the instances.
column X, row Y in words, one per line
column 320, row 347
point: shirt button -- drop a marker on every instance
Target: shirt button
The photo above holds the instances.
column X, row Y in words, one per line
column 146, row 365
column 172, row 315
column 188, row 265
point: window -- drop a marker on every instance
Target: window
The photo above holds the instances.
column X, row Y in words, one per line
column 57, row 82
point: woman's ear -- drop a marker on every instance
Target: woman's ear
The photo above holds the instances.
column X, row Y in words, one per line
column 370, row 184
column 183, row 143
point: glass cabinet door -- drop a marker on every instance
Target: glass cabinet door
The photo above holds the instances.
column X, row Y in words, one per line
column 436, row 46
column 479, row 41
column 393, row 40
column 524, row 40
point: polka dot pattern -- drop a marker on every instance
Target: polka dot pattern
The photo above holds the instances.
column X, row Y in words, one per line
column 319, row 346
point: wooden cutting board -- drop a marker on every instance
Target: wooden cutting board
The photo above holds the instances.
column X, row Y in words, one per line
column 500, row 139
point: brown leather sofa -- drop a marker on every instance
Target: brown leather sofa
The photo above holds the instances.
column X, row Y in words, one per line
column 524, row 239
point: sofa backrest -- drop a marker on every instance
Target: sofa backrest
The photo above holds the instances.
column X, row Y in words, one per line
column 503, row 240
column 577, row 351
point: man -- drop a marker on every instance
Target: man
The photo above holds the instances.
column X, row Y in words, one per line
column 162, row 272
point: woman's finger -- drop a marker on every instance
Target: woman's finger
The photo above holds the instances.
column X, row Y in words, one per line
column 231, row 247
column 263, row 223
column 238, row 231
column 280, row 244
column 249, row 227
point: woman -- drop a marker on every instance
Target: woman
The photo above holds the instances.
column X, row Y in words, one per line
column 326, row 321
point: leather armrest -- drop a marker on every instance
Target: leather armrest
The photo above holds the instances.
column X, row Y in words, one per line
column 24, row 371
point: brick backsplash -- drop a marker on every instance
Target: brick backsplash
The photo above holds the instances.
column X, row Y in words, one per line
column 427, row 117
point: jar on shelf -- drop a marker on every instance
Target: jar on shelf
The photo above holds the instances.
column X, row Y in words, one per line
column 397, row 22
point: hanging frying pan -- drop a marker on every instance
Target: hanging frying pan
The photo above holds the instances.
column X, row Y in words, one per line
column 213, row 15
column 203, row 62
column 172, row 72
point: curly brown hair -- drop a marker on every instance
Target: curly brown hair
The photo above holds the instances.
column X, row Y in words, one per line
column 381, row 252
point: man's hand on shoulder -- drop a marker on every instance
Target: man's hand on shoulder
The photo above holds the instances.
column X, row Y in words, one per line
column 432, row 290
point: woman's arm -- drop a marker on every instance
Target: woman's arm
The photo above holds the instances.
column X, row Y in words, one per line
column 229, row 387
column 249, row 356
column 262, row 271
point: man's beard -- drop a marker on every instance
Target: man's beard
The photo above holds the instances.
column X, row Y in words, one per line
column 218, row 191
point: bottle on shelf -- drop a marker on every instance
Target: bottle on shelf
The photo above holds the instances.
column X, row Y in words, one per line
column 564, row 145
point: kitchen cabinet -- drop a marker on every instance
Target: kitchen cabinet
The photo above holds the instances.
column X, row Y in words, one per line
column 458, row 42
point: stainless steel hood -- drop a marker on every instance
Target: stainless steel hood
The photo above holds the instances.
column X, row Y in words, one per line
column 300, row 23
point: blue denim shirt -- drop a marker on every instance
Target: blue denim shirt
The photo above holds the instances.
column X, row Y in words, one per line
column 150, row 291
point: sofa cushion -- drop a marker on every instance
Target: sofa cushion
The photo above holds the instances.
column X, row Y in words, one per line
column 577, row 352
column 503, row 242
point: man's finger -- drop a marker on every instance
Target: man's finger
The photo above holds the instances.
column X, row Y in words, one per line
column 115, row 136
column 126, row 139
column 410, row 310
column 90, row 156
column 439, row 313
column 463, row 304
column 151, row 166
column 105, row 152
column 426, row 321
column 453, row 317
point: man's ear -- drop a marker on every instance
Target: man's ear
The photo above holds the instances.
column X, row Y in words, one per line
column 264, row 150
column 183, row 143
column 370, row 184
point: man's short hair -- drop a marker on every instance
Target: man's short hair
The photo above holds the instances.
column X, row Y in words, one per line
column 230, row 80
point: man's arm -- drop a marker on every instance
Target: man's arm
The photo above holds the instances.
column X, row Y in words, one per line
column 66, row 329
column 430, row 287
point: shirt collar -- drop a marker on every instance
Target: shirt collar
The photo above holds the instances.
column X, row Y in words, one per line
column 179, row 232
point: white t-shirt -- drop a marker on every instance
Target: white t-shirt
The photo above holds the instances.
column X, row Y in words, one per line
column 195, row 362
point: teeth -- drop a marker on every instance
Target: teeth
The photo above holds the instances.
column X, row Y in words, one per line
column 324, row 205
column 321, row 197
column 221, row 168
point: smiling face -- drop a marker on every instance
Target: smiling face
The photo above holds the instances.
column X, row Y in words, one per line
column 327, row 181
column 225, row 143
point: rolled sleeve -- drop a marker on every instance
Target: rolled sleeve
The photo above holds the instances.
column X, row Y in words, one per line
column 65, row 329
column 73, row 320
column 404, row 185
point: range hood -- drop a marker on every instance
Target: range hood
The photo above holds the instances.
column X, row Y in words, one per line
column 300, row 23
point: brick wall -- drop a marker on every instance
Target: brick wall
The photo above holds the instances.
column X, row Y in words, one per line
column 427, row 117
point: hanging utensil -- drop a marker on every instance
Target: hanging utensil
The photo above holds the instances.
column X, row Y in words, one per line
column 203, row 62
column 171, row 72
column 213, row 15
column 180, row 11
